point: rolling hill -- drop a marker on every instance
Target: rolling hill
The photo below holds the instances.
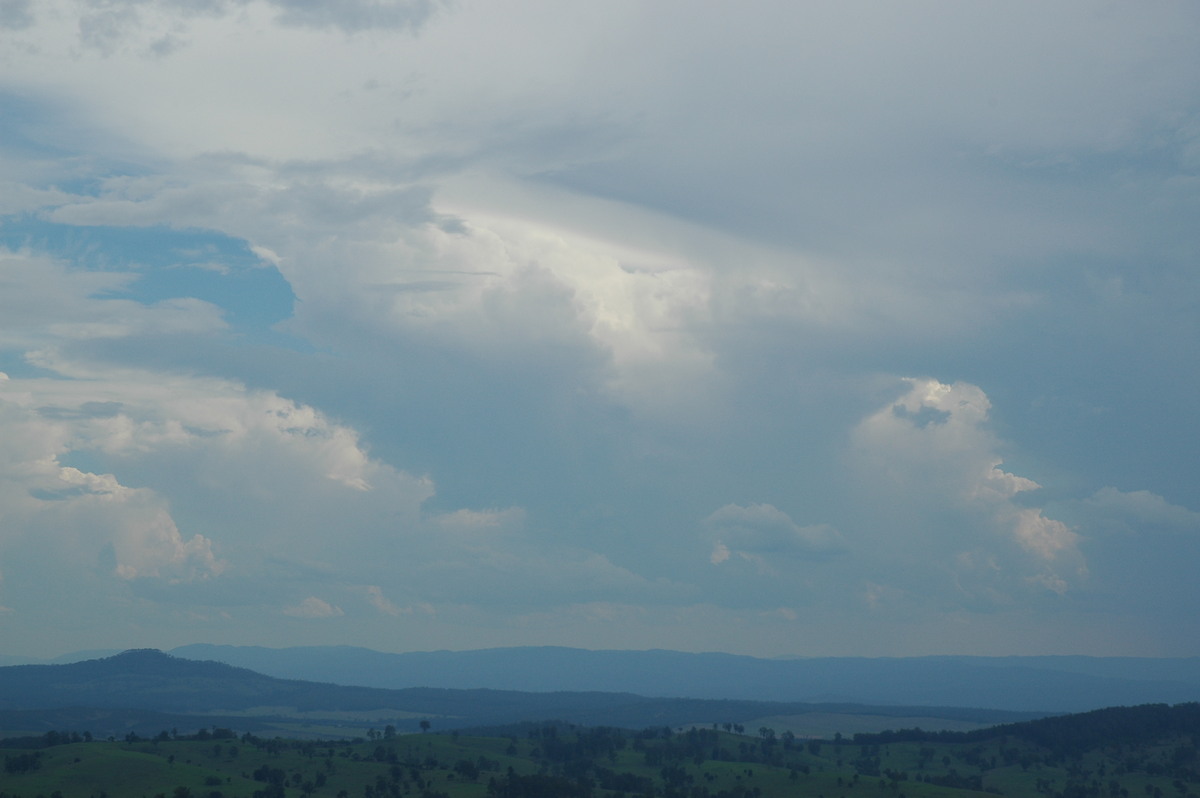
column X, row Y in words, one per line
column 1030, row 684
column 149, row 681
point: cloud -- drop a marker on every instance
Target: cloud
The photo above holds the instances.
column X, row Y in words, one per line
column 480, row 527
column 501, row 289
column 46, row 304
column 16, row 14
column 248, row 472
column 1043, row 536
column 541, row 301
column 376, row 597
column 157, row 29
column 518, row 574
column 222, row 458
column 259, row 474
column 1138, row 512
column 932, row 455
column 20, row 197
column 357, row 15
column 145, row 542
column 935, row 438
column 490, row 556
column 89, row 518
column 313, row 607
column 763, row 533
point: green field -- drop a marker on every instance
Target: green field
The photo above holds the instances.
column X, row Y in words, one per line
column 536, row 760
column 827, row 724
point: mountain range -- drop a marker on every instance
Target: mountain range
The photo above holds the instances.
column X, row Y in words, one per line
column 148, row 690
column 1026, row 684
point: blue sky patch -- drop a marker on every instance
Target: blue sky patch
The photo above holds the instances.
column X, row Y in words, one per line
column 170, row 264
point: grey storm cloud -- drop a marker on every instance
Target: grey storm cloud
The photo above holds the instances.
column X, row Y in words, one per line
column 797, row 328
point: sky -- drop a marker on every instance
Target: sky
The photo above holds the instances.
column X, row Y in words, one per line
column 778, row 328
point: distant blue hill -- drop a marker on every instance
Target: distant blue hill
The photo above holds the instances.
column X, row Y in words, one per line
column 140, row 688
column 74, row 656
column 1028, row 684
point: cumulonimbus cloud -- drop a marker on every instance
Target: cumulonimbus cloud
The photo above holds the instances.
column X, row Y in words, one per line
column 931, row 458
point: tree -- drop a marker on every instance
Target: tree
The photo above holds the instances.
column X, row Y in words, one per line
column 425, row 724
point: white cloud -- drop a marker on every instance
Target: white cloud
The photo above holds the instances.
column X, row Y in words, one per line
column 935, row 438
column 313, row 607
column 621, row 257
column 379, row 601
column 1043, row 536
column 763, row 533
column 82, row 515
column 636, row 307
column 248, row 468
column 144, row 539
column 261, row 475
column 367, row 264
column 934, row 458
column 20, row 197
column 1138, row 512
column 47, row 305
column 249, row 472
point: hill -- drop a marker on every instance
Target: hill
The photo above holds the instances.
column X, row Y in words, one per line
column 150, row 681
column 1072, row 734
column 1030, row 684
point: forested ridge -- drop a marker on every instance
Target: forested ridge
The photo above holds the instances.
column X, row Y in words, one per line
column 1072, row 734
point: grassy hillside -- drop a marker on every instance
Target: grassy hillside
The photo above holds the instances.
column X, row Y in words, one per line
column 1155, row 756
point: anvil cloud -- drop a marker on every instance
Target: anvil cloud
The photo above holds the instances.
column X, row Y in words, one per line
column 779, row 328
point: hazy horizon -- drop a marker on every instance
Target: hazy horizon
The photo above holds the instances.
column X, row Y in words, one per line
column 98, row 653
column 780, row 329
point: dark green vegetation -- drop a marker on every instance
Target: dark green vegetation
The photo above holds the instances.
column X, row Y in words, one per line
column 1114, row 753
column 268, row 737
